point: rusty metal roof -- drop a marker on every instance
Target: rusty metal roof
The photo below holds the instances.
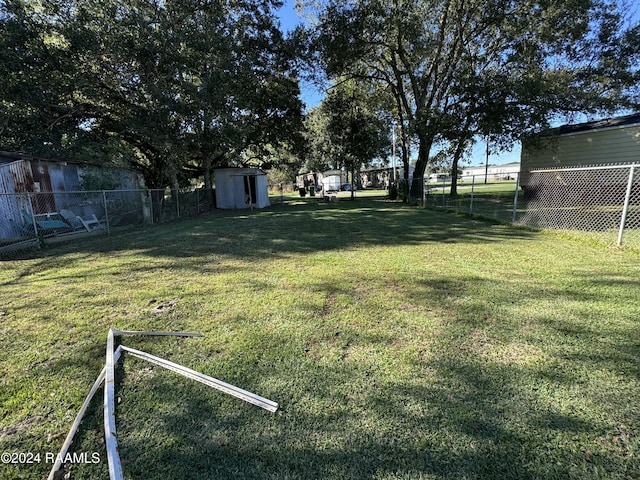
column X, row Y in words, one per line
column 8, row 157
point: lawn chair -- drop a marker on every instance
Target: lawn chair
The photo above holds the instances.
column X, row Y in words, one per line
column 44, row 226
column 72, row 219
column 89, row 222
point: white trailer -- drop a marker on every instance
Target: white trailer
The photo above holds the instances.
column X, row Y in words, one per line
column 332, row 180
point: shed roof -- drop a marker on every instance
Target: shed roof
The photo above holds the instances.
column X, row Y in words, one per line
column 8, row 157
column 603, row 124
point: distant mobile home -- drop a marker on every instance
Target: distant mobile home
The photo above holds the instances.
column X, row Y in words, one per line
column 612, row 141
column 505, row 171
column 332, row 180
column 328, row 181
column 238, row 188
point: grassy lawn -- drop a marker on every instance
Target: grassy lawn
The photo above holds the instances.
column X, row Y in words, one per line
column 401, row 343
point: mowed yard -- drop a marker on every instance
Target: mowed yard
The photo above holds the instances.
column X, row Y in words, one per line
column 401, row 343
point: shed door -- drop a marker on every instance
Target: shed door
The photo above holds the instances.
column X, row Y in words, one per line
column 250, row 188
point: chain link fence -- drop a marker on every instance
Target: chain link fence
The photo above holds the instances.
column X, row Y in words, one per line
column 602, row 202
column 488, row 197
column 33, row 220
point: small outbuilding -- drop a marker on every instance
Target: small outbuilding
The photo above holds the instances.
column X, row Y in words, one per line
column 44, row 187
column 238, row 188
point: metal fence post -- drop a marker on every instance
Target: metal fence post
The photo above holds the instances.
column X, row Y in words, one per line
column 178, row 202
column 33, row 219
column 473, row 186
column 625, row 209
column 515, row 199
column 150, row 197
column 443, row 189
column 106, row 211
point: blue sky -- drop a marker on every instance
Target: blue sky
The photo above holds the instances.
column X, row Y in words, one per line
column 289, row 19
column 288, row 16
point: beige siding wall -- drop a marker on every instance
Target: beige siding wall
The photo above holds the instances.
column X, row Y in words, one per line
column 599, row 147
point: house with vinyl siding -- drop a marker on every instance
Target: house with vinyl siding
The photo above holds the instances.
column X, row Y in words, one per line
column 612, row 141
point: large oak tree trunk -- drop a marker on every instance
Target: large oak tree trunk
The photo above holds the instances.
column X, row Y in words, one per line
column 417, row 184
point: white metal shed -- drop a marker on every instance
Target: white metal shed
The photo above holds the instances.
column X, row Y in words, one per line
column 238, row 188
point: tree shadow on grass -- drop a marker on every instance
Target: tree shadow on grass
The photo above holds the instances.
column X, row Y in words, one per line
column 298, row 228
column 493, row 395
column 462, row 426
column 458, row 411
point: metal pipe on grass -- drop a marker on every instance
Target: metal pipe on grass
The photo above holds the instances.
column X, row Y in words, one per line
column 111, row 441
column 157, row 333
column 79, row 416
column 207, row 380
column 107, row 375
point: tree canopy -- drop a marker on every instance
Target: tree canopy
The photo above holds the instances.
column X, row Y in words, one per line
column 458, row 68
column 172, row 88
column 177, row 87
column 347, row 130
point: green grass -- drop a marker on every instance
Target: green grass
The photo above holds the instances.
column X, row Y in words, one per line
column 493, row 200
column 401, row 343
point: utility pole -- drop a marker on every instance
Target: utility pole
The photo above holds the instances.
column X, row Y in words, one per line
column 486, row 167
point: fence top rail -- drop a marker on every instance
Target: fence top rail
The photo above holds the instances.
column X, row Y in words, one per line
column 576, row 169
column 82, row 192
column 470, row 175
column 491, row 173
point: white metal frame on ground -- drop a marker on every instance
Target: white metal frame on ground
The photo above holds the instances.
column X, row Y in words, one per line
column 107, row 375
